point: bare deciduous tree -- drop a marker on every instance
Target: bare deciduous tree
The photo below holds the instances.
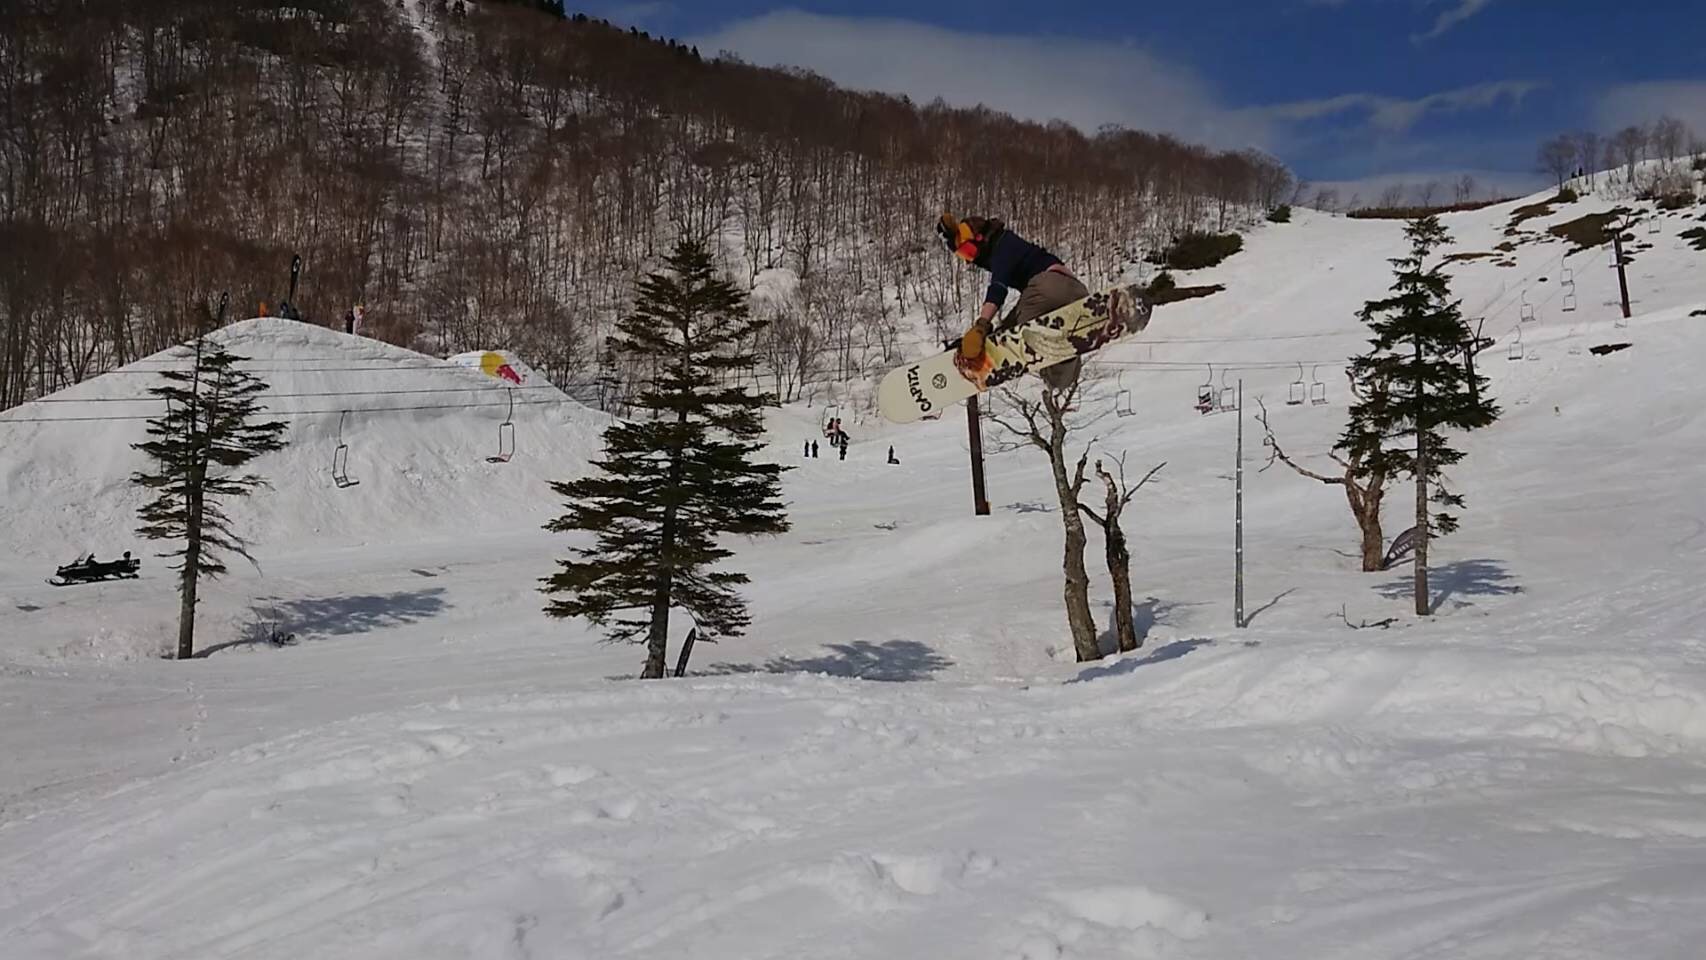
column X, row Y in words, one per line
column 1040, row 422
column 1116, row 493
column 1587, row 155
column 1557, row 156
column 1364, row 491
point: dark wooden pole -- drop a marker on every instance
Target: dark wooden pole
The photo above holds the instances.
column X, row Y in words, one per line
column 1622, row 277
column 974, row 428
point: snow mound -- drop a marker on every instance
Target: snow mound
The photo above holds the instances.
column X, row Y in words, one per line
column 416, row 431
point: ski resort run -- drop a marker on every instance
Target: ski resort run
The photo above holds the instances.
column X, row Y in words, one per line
column 386, row 748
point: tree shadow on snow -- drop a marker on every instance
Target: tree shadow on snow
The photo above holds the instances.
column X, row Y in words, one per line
column 894, row 660
column 1145, row 616
column 277, row 622
column 1468, row 578
column 1250, row 617
column 1161, row 654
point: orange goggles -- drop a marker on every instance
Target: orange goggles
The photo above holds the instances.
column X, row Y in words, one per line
column 963, row 243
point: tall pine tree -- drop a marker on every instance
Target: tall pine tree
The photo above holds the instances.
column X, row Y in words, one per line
column 671, row 484
column 209, row 432
column 1415, row 389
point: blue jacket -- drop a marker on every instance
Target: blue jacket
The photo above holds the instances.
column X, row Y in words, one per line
column 1012, row 261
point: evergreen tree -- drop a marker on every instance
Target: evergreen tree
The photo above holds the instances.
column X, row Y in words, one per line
column 1411, row 388
column 670, row 484
column 207, row 434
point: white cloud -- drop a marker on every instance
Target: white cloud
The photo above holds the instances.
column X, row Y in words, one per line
column 1461, row 11
column 1394, row 115
column 1084, row 82
column 634, row 14
column 1645, row 102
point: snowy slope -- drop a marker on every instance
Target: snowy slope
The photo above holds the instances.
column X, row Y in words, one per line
column 436, row 770
column 418, row 430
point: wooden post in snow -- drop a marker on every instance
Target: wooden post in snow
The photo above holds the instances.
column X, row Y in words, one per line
column 974, row 429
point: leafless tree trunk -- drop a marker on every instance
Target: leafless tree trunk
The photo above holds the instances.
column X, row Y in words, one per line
column 1042, row 424
column 1364, row 491
column 1116, row 494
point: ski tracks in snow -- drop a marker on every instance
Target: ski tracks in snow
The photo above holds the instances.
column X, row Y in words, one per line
column 799, row 816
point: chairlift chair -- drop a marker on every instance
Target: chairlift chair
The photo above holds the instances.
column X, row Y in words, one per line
column 1516, row 346
column 506, row 434
column 340, row 457
column 1317, row 389
column 1569, row 304
column 1228, row 394
column 1122, row 398
column 1206, row 393
column 1297, row 390
column 1527, row 310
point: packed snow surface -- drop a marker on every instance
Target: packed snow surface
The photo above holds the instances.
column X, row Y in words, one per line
column 901, row 759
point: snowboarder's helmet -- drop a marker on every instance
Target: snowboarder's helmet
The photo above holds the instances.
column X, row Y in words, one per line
column 957, row 236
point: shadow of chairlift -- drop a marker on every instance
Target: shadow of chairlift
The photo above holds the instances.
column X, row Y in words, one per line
column 340, row 457
column 506, row 434
column 1122, row 398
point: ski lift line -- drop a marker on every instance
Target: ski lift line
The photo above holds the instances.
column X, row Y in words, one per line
column 329, row 393
column 287, row 413
column 1163, row 366
column 936, row 343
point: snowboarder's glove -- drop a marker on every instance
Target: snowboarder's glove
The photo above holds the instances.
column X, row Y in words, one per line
column 971, row 345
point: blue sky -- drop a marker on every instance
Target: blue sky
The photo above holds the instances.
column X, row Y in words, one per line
column 1358, row 92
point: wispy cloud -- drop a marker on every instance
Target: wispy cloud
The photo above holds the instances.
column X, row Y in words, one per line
column 1645, row 102
column 635, row 14
column 1397, row 115
column 1084, row 82
column 1460, row 11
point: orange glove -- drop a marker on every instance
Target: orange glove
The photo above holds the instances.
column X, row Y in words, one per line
column 971, row 345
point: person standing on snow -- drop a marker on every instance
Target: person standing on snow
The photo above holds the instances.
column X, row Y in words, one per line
column 1043, row 282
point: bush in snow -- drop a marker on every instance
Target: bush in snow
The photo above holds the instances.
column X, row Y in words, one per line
column 1194, row 250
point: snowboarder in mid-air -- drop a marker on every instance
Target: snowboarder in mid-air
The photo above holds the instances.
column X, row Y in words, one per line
column 1043, row 282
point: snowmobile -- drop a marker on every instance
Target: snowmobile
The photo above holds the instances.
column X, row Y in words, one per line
column 86, row 569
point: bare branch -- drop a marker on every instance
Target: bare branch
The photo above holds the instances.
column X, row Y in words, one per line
column 1276, row 453
column 1382, row 624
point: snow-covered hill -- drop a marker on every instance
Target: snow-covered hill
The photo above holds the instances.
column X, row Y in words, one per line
column 437, row 770
column 417, row 432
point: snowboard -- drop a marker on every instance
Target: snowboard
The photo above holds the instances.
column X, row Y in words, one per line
column 924, row 388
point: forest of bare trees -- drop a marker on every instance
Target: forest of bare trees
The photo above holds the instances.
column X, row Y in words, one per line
column 1587, row 154
column 494, row 175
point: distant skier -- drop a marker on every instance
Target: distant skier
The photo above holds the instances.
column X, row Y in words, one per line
column 1043, row 282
